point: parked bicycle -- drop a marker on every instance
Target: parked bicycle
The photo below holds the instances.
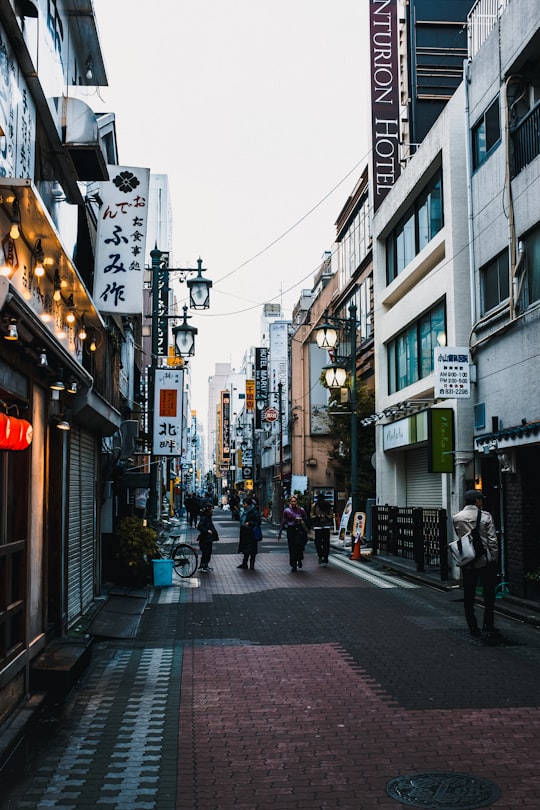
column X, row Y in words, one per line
column 185, row 557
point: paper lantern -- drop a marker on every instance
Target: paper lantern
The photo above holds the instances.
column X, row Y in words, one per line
column 21, row 435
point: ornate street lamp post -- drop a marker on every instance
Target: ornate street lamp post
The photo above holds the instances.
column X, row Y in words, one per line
column 184, row 335
column 336, row 376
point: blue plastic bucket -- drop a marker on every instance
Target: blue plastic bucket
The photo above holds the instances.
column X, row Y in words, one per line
column 162, row 572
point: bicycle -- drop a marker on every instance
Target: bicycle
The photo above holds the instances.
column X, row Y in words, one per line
column 186, row 559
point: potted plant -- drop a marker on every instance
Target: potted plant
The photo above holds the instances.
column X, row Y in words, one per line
column 137, row 546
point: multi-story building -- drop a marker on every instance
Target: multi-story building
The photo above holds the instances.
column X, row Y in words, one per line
column 502, row 126
column 456, row 266
column 59, row 356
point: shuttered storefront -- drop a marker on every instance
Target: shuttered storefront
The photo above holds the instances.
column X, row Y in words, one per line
column 422, row 487
column 82, row 528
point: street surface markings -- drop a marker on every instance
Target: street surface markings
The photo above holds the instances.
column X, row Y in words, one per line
column 376, row 578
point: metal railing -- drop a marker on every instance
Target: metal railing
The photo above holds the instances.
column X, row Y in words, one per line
column 481, row 21
column 412, row 533
column 526, row 140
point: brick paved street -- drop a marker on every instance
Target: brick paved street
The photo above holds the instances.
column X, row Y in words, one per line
column 269, row 690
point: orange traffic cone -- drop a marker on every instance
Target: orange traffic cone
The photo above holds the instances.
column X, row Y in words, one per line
column 356, row 555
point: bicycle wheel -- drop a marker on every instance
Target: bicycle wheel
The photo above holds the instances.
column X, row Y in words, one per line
column 185, row 559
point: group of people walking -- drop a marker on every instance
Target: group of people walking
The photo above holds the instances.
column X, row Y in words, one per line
column 295, row 521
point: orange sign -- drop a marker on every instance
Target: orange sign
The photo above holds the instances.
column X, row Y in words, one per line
column 250, row 395
column 167, row 402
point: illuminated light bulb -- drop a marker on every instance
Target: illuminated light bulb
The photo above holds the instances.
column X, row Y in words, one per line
column 14, row 231
column 39, row 270
column 70, row 317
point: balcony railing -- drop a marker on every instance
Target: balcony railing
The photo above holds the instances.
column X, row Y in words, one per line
column 526, row 140
column 481, row 21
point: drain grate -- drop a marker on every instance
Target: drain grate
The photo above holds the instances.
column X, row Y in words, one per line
column 439, row 790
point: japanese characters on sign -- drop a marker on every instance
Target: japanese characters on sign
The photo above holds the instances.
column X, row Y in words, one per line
column 17, row 117
column 250, row 396
column 452, row 372
column 121, row 241
column 168, row 416
column 225, row 426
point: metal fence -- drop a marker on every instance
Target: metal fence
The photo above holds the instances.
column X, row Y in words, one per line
column 412, row 533
column 481, row 21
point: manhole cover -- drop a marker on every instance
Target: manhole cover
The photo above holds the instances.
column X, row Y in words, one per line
column 436, row 790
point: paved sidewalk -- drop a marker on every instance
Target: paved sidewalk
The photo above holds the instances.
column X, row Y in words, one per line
column 268, row 690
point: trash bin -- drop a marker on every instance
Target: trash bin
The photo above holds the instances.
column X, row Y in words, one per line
column 162, row 572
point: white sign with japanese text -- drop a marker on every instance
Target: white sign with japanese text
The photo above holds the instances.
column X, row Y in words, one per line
column 168, row 412
column 452, row 372
column 121, row 241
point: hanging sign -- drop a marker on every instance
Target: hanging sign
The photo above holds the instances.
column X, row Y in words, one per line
column 168, row 400
column 452, row 372
column 121, row 241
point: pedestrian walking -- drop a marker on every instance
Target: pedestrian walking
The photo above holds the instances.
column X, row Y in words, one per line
column 207, row 536
column 192, row 509
column 250, row 520
column 296, row 524
column 322, row 517
column 483, row 570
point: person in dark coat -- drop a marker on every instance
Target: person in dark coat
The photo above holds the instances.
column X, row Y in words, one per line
column 192, row 509
column 322, row 519
column 248, row 545
column 207, row 535
column 296, row 524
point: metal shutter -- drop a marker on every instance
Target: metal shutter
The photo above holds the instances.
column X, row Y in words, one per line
column 82, row 523
column 422, row 487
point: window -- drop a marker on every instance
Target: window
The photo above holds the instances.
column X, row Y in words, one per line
column 413, row 232
column 355, row 244
column 486, row 134
column 410, row 354
column 495, row 282
column 532, row 266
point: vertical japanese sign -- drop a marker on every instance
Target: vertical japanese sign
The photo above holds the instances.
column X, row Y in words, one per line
column 17, row 117
column 225, row 426
column 168, row 415
column 121, row 241
column 261, row 382
column 250, row 396
column 441, row 440
column 384, row 97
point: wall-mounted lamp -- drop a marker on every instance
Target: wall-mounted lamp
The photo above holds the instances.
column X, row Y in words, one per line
column 72, row 387
column 57, row 383
column 62, row 422
column 42, row 359
column 10, row 260
column 199, row 289
column 89, row 69
column 12, row 332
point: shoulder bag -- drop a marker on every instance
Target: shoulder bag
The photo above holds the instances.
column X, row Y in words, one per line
column 468, row 548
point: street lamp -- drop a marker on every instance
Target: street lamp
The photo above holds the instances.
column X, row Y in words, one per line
column 327, row 337
column 184, row 335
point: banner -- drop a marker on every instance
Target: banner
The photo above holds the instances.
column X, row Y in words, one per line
column 385, row 128
column 226, row 426
column 121, row 241
column 168, row 415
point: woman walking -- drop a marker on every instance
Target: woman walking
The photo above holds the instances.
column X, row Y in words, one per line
column 249, row 520
column 295, row 522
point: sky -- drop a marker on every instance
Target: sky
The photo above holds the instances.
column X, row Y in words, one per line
column 257, row 113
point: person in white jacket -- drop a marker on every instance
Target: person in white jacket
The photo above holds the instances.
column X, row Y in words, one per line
column 483, row 570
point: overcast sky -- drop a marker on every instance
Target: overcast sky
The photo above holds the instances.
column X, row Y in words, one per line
column 256, row 112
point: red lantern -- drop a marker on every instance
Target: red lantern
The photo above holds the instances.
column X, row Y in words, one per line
column 22, row 435
column 15, row 434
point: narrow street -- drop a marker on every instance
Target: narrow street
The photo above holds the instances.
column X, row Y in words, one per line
column 269, row 690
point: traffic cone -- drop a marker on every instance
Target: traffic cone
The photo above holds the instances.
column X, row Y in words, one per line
column 356, row 555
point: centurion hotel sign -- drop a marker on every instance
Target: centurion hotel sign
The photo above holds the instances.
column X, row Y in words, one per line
column 384, row 97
